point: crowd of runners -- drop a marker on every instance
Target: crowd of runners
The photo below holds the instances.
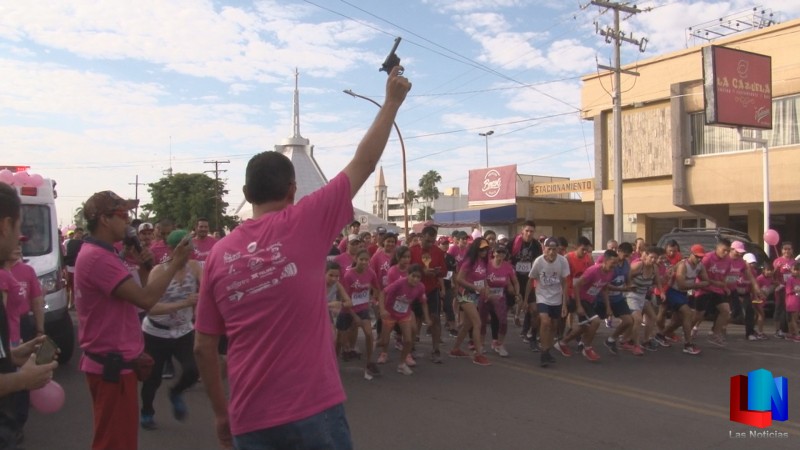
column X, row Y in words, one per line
column 555, row 292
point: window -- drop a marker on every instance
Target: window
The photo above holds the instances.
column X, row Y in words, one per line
column 711, row 139
column 36, row 227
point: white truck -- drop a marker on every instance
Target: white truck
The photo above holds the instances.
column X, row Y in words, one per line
column 43, row 252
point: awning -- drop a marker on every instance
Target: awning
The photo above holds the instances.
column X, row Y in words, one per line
column 474, row 216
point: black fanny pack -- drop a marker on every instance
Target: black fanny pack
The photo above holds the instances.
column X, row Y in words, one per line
column 113, row 365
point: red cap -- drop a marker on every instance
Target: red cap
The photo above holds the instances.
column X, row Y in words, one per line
column 23, row 238
column 698, row 250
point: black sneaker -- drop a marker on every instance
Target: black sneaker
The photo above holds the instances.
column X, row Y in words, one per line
column 543, row 361
column 453, row 332
column 612, row 346
column 372, row 369
column 550, row 358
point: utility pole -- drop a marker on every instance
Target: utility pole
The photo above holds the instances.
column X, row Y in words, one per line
column 617, row 37
column 136, row 195
column 217, row 190
column 486, row 135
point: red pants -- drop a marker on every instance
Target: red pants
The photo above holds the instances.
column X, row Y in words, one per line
column 116, row 412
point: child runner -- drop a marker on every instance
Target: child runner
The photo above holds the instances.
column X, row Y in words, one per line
column 395, row 309
column 471, row 280
column 793, row 302
column 337, row 297
column 644, row 275
column 501, row 277
column 361, row 284
column 551, row 272
column 766, row 282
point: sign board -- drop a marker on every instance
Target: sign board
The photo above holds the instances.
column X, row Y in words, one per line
column 738, row 88
column 493, row 185
column 364, row 219
column 562, row 187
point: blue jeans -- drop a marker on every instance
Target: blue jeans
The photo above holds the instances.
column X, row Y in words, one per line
column 326, row 430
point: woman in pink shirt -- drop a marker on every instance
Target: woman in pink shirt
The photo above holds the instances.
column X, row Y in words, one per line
column 500, row 277
column 395, row 309
column 361, row 284
column 400, row 263
column 471, row 280
column 793, row 301
column 783, row 271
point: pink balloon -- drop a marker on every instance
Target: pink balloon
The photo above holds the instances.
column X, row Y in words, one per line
column 6, row 176
column 772, row 237
column 36, row 180
column 21, row 178
column 48, row 399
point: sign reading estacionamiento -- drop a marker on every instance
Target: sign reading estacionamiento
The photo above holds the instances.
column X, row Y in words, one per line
column 562, row 187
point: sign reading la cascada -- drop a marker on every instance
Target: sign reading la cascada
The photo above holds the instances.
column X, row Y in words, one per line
column 493, row 184
column 738, row 88
column 562, row 187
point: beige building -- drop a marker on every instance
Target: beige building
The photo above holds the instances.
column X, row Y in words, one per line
column 677, row 171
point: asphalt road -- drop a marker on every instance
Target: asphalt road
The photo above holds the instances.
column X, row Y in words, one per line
column 663, row 400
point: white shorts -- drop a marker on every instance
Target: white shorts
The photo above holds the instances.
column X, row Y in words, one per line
column 636, row 301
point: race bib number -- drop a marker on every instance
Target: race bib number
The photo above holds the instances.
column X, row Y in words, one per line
column 449, row 275
column 400, row 307
column 496, row 292
column 731, row 279
column 359, row 298
column 478, row 284
column 786, row 277
column 594, row 290
column 524, row 266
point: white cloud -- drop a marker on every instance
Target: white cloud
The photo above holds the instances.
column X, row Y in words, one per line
column 473, row 5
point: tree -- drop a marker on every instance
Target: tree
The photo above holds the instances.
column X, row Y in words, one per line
column 185, row 197
column 78, row 218
column 425, row 213
column 428, row 190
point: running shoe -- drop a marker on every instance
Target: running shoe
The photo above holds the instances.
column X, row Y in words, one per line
column 752, row 337
column 550, row 358
column 637, row 350
column 415, row 354
column 436, row 357
column 543, row 361
column 382, row 358
column 609, row 322
column 673, row 338
column 762, row 337
column 453, row 332
column 179, row 409
column 481, row 360
column 612, row 346
column 694, row 332
column 535, row 346
column 471, row 345
column 794, row 338
column 651, row 345
column 372, row 370
column 398, row 345
column 404, row 369
column 495, row 344
column 590, row 354
column 625, row 345
column 526, row 340
column 662, row 340
column 716, row 340
column 501, row 350
column 147, row 421
column 691, row 349
column 458, row 353
column 780, row 335
column 563, row 348
column 410, row 361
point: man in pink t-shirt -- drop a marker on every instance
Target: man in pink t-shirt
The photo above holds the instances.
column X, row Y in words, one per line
column 263, row 287
column 717, row 294
column 202, row 241
column 783, row 271
column 159, row 247
column 108, row 300
column 32, row 299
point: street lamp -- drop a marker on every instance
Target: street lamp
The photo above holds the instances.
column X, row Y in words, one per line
column 403, row 149
column 486, row 135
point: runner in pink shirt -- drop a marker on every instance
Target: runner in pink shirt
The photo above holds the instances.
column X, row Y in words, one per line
column 400, row 263
column 591, row 285
column 347, row 259
column 459, row 250
column 362, row 285
column 395, row 309
column 159, row 247
column 203, row 243
column 783, row 271
column 381, row 261
column 767, row 284
column 32, row 298
column 793, row 302
column 284, row 380
column 501, row 277
column 471, row 281
column 716, row 294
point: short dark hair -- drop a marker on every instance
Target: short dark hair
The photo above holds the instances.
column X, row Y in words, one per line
column 610, row 254
column 785, row 243
column 625, row 247
column 673, row 243
column 200, row 219
column 355, row 223
column 429, row 231
column 332, row 265
column 563, row 242
column 268, row 177
column 583, row 241
column 724, row 241
column 414, row 268
column 10, row 203
column 488, row 233
column 529, row 223
column 656, row 250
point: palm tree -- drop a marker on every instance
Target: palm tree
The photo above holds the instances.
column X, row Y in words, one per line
column 428, row 190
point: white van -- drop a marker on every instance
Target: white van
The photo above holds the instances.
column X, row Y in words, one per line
column 42, row 251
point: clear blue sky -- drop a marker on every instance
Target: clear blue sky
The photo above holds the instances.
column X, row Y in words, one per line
column 95, row 93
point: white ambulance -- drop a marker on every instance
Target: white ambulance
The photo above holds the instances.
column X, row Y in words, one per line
column 43, row 252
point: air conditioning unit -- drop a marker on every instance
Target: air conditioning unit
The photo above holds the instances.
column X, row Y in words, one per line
column 688, row 162
column 632, row 219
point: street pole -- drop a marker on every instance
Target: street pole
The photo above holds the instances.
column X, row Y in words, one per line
column 136, row 196
column 486, row 135
column 403, row 150
column 217, row 191
column 759, row 140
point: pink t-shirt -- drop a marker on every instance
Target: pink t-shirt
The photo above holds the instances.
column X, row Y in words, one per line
column 106, row 323
column 262, row 287
column 380, row 264
column 395, row 274
column 593, row 281
column 499, row 277
column 718, row 269
column 160, row 251
column 202, row 247
column 345, row 261
column 793, row 295
column 458, row 253
column 28, row 283
column 14, row 299
column 767, row 285
column 737, row 277
column 358, row 286
column 783, row 269
column 399, row 297
column 475, row 273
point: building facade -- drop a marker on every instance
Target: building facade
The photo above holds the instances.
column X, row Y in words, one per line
column 680, row 172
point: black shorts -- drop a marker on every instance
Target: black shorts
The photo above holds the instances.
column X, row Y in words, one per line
column 434, row 305
column 345, row 319
column 554, row 311
column 708, row 301
column 571, row 308
column 618, row 309
column 589, row 310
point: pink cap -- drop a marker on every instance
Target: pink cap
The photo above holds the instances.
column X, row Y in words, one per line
column 738, row 247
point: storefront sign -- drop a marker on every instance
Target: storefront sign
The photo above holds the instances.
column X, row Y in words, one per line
column 493, row 185
column 562, row 187
column 738, row 88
